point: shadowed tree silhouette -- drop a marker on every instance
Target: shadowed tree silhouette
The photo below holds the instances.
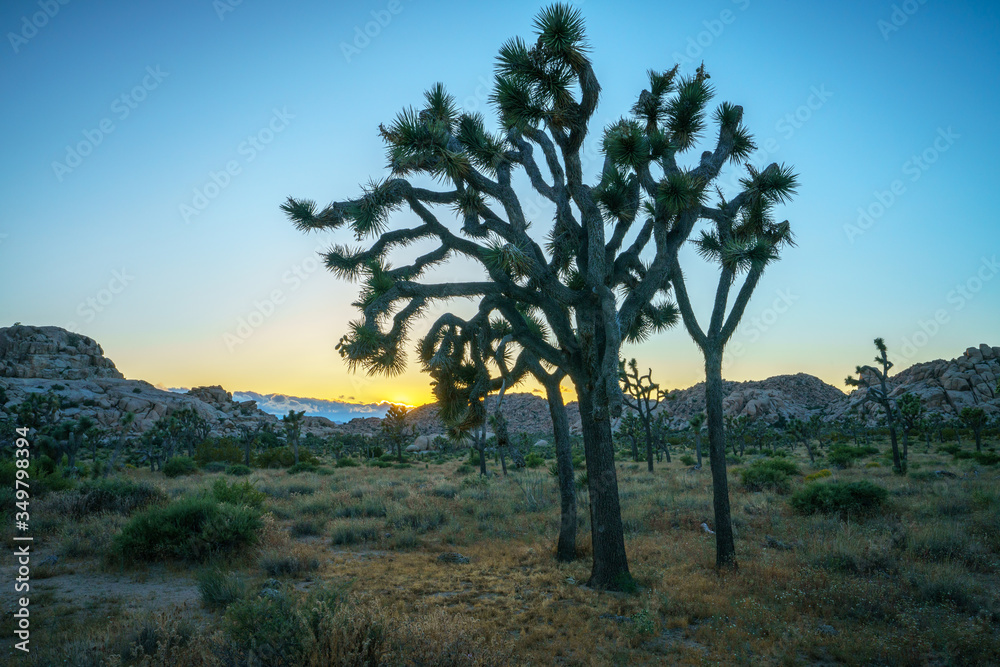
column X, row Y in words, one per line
column 975, row 418
column 599, row 273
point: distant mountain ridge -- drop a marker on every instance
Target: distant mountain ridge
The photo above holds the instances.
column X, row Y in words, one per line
column 42, row 359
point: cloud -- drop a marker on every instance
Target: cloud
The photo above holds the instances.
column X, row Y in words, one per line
column 337, row 411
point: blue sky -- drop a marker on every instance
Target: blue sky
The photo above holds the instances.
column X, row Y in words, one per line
column 149, row 145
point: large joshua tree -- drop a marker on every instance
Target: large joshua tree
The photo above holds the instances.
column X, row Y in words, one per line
column 598, row 275
column 743, row 239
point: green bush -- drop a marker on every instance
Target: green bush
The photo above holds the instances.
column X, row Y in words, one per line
column 271, row 627
column 114, row 495
column 770, row 474
column 238, row 470
column 844, row 456
column 238, row 493
column 354, row 533
column 224, row 450
column 214, row 466
column 949, row 449
column 987, row 458
column 688, row 460
column 347, row 462
column 190, row 529
column 180, row 465
column 284, row 457
column 848, row 498
column 219, row 589
column 534, row 460
column 302, row 467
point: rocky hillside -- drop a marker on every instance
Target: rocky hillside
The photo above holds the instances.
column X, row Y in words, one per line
column 526, row 413
column 43, row 359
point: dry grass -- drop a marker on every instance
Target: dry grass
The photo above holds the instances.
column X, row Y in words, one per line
column 915, row 585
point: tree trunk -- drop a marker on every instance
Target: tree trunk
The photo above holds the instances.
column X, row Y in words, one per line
column 897, row 462
column 812, row 459
column 979, row 440
column 906, row 444
column 725, row 549
column 697, row 446
column 649, row 442
column 481, row 446
column 295, row 449
column 610, row 568
column 566, row 546
column 246, row 454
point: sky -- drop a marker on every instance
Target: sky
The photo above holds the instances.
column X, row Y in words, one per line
column 148, row 147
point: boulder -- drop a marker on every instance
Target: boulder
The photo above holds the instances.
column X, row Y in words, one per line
column 422, row 443
column 541, row 443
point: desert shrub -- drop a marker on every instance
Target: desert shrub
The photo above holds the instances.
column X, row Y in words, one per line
column 114, row 495
column 949, row 449
column 219, row 589
column 214, row 466
column 844, row 456
column 238, row 470
column 222, row 450
column 285, row 561
column 688, row 460
column 986, row 458
column 283, row 457
column 770, row 474
column 445, row 490
column 848, row 498
column 237, row 493
column 534, row 460
column 180, row 465
column 819, row 474
column 306, row 528
column 190, row 529
column 464, row 469
column 353, row 533
column 347, row 462
column 269, row 626
column 419, row 520
column 302, row 467
column 579, row 462
column 372, row 507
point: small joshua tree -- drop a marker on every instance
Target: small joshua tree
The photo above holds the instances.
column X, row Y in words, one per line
column 293, row 428
column 911, row 412
column 395, row 429
column 975, row 419
column 643, row 396
column 875, row 382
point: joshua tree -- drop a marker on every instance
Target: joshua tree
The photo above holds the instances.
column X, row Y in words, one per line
column 697, row 422
column 643, row 396
column 911, row 412
column 121, row 432
column 743, row 239
column 607, row 254
column 630, row 427
column 248, row 436
column 975, row 418
column 875, row 382
column 802, row 432
column 293, row 428
column 395, row 429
